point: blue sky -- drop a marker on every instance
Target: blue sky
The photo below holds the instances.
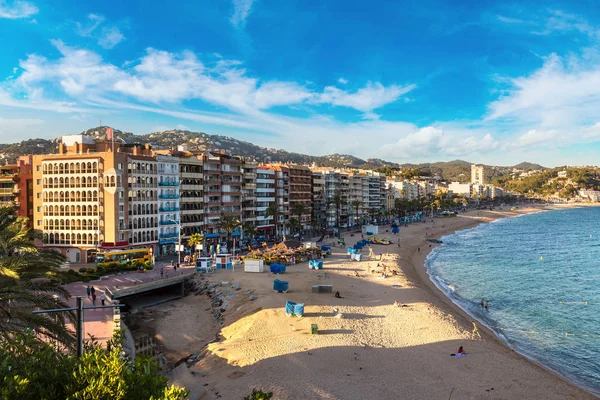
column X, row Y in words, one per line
column 406, row 81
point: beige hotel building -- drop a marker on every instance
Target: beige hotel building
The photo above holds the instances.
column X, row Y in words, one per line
column 95, row 195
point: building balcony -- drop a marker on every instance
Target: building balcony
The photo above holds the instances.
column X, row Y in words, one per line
column 168, row 196
column 168, row 183
column 167, row 223
column 168, row 235
column 168, row 209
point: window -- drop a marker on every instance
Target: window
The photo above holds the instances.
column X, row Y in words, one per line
column 39, row 209
column 121, row 208
column 39, row 223
column 121, row 236
column 120, row 166
column 38, row 181
column 39, row 195
column 37, row 167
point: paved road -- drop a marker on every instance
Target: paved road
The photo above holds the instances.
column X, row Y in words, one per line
column 99, row 322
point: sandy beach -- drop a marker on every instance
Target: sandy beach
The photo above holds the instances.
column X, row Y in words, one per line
column 373, row 350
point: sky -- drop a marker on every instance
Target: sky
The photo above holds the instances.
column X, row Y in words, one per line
column 405, row 81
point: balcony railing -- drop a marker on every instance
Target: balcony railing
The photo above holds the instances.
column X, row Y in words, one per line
column 168, row 183
column 167, row 222
column 168, row 196
column 167, row 235
column 167, row 209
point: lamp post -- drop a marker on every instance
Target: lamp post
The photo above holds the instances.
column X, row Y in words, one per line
column 179, row 240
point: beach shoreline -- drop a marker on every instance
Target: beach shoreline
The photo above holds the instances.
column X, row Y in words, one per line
column 380, row 338
column 422, row 274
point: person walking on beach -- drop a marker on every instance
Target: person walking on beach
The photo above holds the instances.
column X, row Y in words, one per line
column 102, row 298
column 93, row 290
column 88, row 290
column 162, row 272
column 93, row 298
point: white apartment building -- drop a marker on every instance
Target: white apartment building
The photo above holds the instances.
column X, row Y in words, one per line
column 265, row 197
column 477, row 175
column 460, row 188
column 168, row 204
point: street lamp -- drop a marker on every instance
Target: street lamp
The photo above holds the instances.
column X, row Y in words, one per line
column 179, row 240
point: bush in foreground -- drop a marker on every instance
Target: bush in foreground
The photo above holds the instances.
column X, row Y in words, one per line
column 35, row 369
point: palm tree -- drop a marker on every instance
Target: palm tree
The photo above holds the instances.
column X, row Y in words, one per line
column 28, row 282
column 294, row 224
column 229, row 224
column 355, row 204
column 299, row 209
column 195, row 240
column 272, row 211
column 338, row 201
column 250, row 231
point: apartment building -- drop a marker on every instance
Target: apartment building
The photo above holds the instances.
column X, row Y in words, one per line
column 191, row 202
column 249, row 193
column 95, row 196
column 16, row 187
column 477, row 175
column 265, row 197
column 282, row 199
column 168, row 204
column 319, row 203
column 300, row 192
column 222, row 193
column 336, row 195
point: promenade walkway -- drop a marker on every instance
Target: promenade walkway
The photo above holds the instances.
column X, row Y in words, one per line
column 99, row 323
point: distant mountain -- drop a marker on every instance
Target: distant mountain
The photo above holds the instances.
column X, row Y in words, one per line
column 457, row 170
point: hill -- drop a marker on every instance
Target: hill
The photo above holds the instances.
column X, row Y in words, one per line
column 457, row 170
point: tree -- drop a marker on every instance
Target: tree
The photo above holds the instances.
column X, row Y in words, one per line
column 195, row 240
column 337, row 201
column 28, row 281
column 295, row 224
column 299, row 209
column 356, row 204
column 229, row 224
column 31, row 368
column 250, row 231
column 272, row 211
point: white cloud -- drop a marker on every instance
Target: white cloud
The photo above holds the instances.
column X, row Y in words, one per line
column 17, row 9
column 107, row 37
column 90, row 26
column 559, row 94
column 241, row 10
column 343, row 81
column 110, row 37
column 367, row 99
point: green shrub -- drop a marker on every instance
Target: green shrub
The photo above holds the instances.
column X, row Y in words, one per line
column 72, row 272
column 83, row 270
column 101, row 269
column 259, row 395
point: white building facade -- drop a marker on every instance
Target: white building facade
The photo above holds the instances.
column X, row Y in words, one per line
column 168, row 204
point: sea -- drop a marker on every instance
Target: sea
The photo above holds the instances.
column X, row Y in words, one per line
column 540, row 274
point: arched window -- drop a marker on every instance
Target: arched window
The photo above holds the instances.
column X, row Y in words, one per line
column 68, row 238
column 83, row 196
column 90, row 238
column 95, row 167
column 83, row 181
column 72, row 168
column 95, row 238
column 79, row 238
column 95, row 181
column 89, row 167
column 77, row 168
column 84, row 224
column 78, row 224
column 89, row 210
column 95, row 224
column 78, row 196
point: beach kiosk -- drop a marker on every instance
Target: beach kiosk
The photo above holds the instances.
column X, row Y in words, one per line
column 370, row 230
column 204, row 264
column 224, row 261
column 254, row 265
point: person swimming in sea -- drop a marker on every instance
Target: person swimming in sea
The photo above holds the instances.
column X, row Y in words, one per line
column 487, row 303
column 482, row 304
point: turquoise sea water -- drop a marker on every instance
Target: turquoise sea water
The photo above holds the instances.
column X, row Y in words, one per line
column 526, row 266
